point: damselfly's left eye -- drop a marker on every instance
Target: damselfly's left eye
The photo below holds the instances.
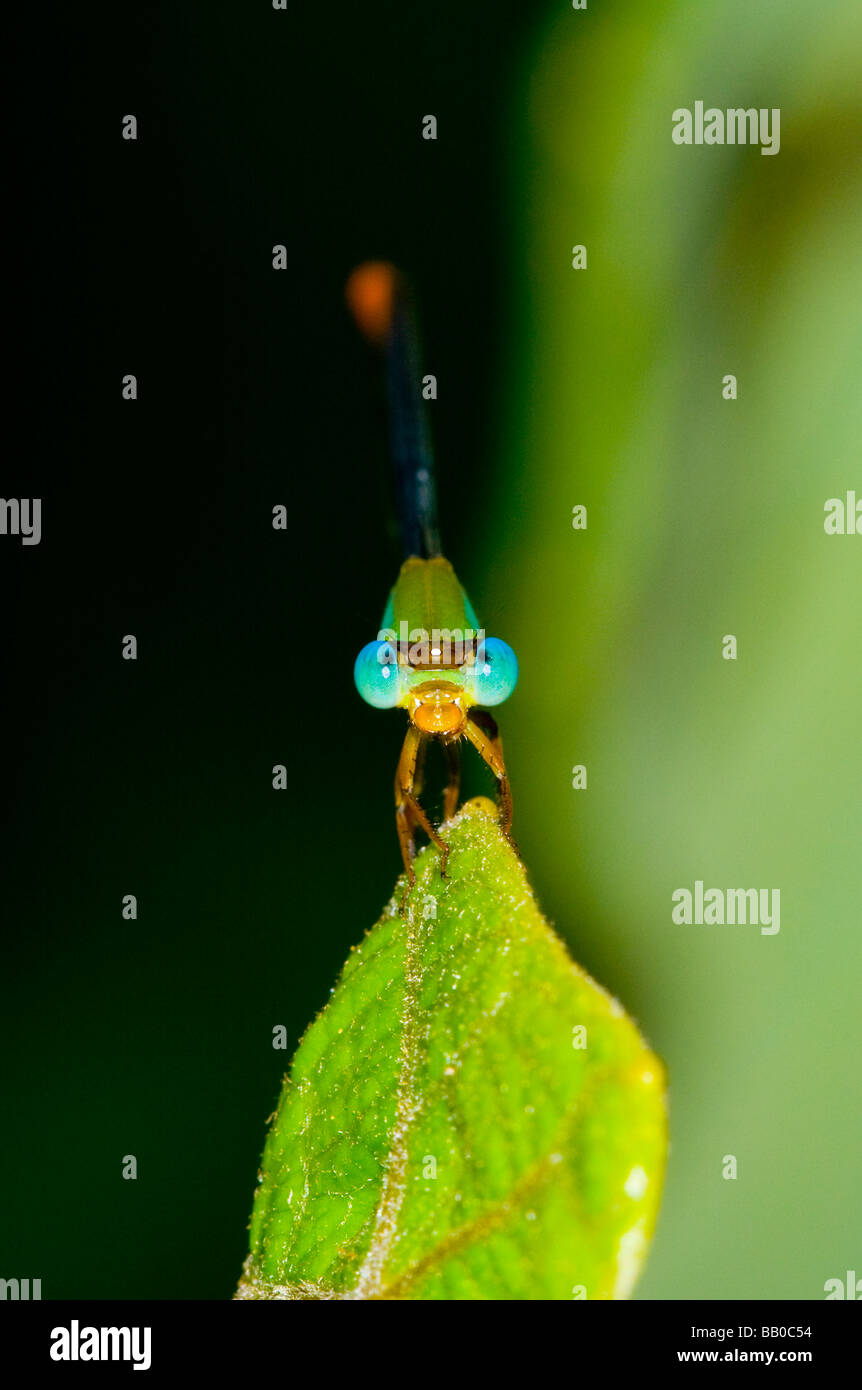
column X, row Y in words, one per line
column 375, row 673
column 495, row 674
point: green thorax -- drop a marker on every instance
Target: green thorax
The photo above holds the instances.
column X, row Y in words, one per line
column 428, row 596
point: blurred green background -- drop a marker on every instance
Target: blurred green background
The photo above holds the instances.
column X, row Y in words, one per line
column 557, row 387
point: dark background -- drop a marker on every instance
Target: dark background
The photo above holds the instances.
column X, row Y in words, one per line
column 153, row 777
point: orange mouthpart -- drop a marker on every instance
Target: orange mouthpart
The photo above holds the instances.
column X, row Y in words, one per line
column 433, row 710
column 370, row 292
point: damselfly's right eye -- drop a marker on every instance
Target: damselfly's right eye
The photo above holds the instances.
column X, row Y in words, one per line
column 495, row 674
column 376, row 675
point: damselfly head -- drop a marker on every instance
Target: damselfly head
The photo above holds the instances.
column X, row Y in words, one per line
column 387, row 677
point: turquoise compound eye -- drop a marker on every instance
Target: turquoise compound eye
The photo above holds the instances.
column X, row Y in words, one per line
column 495, row 673
column 376, row 675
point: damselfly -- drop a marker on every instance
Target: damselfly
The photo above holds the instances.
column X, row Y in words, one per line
column 430, row 656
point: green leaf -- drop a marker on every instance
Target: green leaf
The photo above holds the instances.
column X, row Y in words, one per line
column 440, row 1135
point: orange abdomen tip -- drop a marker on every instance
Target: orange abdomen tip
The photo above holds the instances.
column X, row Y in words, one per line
column 370, row 293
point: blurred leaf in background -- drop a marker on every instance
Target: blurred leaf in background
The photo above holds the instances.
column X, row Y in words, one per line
column 705, row 518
